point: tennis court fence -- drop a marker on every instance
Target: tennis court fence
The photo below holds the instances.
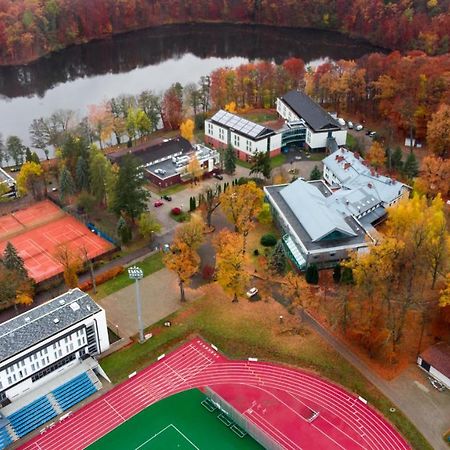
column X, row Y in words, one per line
column 253, row 430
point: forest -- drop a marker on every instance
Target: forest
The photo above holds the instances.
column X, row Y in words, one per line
column 30, row 29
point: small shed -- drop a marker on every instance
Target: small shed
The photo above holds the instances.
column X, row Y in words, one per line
column 435, row 360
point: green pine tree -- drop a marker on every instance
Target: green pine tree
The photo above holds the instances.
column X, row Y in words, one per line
column 12, row 261
column 261, row 164
column 337, row 273
column 312, row 274
column 82, row 174
column 28, row 157
column 66, row 183
column 277, row 263
column 315, row 174
column 130, row 196
column 230, row 160
column 411, row 166
column 347, row 276
column 396, row 159
column 123, row 230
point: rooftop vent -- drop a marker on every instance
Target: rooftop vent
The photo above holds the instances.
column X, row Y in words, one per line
column 55, row 320
column 370, row 185
column 88, row 307
column 27, row 319
column 74, row 306
column 62, row 302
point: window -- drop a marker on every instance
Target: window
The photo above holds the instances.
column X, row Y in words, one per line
column 9, row 380
column 236, row 140
column 210, row 129
column 33, row 367
column 221, row 134
column 249, row 146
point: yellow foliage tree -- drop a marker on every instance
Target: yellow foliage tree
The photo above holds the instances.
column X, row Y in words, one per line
column 230, row 263
column 187, row 129
column 242, row 204
column 24, row 298
column 296, row 289
column 194, row 169
column 71, row 264
column 376, row 156
column 231, row 107
column 184, row 261
column 434, row 177
column 191, row 233
column 438, row 131
column 444, row 299
column 31, row 179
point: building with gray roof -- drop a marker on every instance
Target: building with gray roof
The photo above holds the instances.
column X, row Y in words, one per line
column 315, row 229
column 9, row 183
column 246, row 137
column 300, row 111
column 47, row 360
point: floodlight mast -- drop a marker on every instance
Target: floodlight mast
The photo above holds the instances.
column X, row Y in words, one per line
column 136, row 274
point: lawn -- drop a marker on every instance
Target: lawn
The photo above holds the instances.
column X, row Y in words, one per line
column 276, row 161
column 252, row 329
column 174, row 189
column 260, row 116
column 148, row 265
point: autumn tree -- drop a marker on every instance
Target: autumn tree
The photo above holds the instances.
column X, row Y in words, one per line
column 194, row 169
column 148, row 225
column 191, row 233
column 376, row 156
column 230, row 263
column 241, row 205
column 71, row 264
column 184, row 261
column 211, row 203
column 101, row 176
column 434, row 177
column 101, row 120
column 444, row 299
column 31, row 179
column 265, row 215
column 295, row 288
column 438, row 131
column 172, row 107
column 187, row 129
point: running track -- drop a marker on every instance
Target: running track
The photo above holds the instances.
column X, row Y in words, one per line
column 277, row 399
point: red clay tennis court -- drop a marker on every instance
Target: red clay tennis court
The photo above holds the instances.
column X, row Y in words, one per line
column 287, row 408
column 37, row 232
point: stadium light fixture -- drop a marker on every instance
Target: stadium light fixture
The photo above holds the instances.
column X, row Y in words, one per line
column 136, row 274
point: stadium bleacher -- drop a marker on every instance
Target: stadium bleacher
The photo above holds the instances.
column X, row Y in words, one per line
column 5, row 438
column 74, row 391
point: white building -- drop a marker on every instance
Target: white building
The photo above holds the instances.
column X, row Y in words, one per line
column 435, row 360
column 47, row 361
column 9, row 182
column 246, row 137
column 300, row 111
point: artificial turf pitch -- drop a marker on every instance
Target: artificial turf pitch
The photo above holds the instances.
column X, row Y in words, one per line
column 177, row 422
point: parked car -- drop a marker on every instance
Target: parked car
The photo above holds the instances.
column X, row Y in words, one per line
column 436, row 384
column 252, row 292
column 350, row 125
column 218, row 176
column 158, row 203
column 341, row 121
column 167, row 197
column 358, row 127
column 372, row 134
column 368, row 132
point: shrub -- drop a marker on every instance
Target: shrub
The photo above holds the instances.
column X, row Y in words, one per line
column 208, row 273
column 268, row 240
column 102, row 278
column 176, row 211
column 256, row 252
column 312, row 274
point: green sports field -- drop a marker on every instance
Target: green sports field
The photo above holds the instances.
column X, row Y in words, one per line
column 178, row 422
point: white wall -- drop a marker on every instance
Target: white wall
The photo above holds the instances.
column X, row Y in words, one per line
column 216, row 132
column 319, row 140
column 285, row 112
column 39, row 356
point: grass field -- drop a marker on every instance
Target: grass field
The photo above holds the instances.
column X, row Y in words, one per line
column 178, row 422
column 148, row 265
column 248, row 329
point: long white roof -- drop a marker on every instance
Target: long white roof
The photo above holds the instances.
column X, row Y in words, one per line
column 313, row 211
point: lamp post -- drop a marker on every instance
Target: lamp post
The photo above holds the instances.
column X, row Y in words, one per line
column 136, row 274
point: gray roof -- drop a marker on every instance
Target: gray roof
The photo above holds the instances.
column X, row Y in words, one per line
column 275, row 197
column 38, row 324
column 6, row 178
column 355, row 173
column 313, row 211
column 354, row 201
column 312, row 113
column 242, row 126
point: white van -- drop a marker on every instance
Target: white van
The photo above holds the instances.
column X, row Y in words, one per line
column 341, row 121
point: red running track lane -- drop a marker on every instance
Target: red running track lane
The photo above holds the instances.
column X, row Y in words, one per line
column 277, row 399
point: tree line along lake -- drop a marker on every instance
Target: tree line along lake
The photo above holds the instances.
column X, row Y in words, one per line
column 152, row 59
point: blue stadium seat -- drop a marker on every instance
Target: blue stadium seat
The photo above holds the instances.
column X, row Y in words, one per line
column 32, row 416
column 74, row 391
column 5, row 438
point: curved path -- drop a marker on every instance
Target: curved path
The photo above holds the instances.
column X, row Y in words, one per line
column 296, row 409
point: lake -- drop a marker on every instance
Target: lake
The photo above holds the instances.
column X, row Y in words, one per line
column 151, row 59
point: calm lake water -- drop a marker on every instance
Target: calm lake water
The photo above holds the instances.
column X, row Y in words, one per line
column 151, row 59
